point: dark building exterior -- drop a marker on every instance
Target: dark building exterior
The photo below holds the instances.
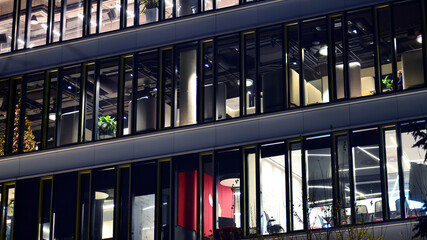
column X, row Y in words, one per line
column 184, row 119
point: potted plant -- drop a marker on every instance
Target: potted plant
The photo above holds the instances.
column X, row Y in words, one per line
column 107, row 126
column 149, row 8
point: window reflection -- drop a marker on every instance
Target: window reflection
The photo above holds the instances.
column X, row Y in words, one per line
column 9, row 211
column 251, row 166
column 6, row 9
column 53, row 101
column 296, row 186
column 20, row 27
column 128, row 94
column 38, row 23
column 165, row 200
column 385, row 46
column 45, row 221
column 293, row 64
column 338, row 57
column 4, row 96
column 225, row 3
column 319, row 182
column 167, row 86
column 414, row 170
column 366, row 163
column 314, row 44
column 361, row 68
column 208, row 80
column 408, row 39
column 74, row 17
column 344, row 189
column 228, row 78
column 186, row 7
column 250, row 73
column 110, row 20
column 273, row 188
column 393, row 188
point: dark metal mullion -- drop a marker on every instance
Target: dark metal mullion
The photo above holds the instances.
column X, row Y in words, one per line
column 10, row 118
column 160, row 95
column 51, row 211
column 304, row 186
column 258, row 189
column 345, row 57
column 377, row 64
column 199, row 84
column 50, row 21
column 288, row 184
column 257, row 82
column 87, row 17
column 287, row 94
column 331, row 60
column 301, row 62
column 242, row 99
column 136, row 13
column 117, row 203
column 424, row 35
column 96, row 101
column 383, row 174
column 200, row 198
column 335, row 180
column 215, row 80
column 98, row 16
column 3, row 199
column 284, row 66
column 27, row 24
column 213, row 4
column 45, row 110
column 133, row 108
column 401, row 174
column 123, row 13
column 393, row 50
column 58, row 108
column 352, row 179
column 83, row 104
column 21, row 127
column 120, row 96
column 15, row 25
column 174, row 90
column 158, row 203
column 63, row 20
column 171, row 199
column 244, row 201
column 214, row 193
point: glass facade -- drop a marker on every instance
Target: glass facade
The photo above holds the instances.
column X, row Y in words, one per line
column 217, row 193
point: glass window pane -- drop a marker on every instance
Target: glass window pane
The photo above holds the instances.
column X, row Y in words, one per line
column 227, row 179
column 92, row 17
column 319, row 182
column 38, row 23
column 250, row 73
column 167, row 83
column 130, row 13
column 338, row 45
column 110, row 20
column 33, row 112
column 408, row 39
column 21, row 24
column 53, row 94
column 226, row 3
column 361, row 58
column 124, row 190
column 208, row 5
column 6, row 9
column 128, row 94
column 144, row 188
column 296, row 184
column 186, row 85
column 414, row 169
column 17, row 82
column 366, row 162
column 165, row 199
column 186, row 7
column 56, row 26
column 146, row 96
column 4, row 96
column 64, row 206
column 293, row 62
column 250, row 161
column 344, row 189
column 103, row 196
column 208, row 196
column 84, row 205
column 228, row 77
column 9, row 210
column 208, row 80
column 273, row 188
column 385, row 46
column 185, row 174
column 107, row 96
column 168, row 9
column 26, row 209
column 393, row 188
column 90, row 100
column 271, row 69
column 70, row 105
column 314, row 45
column 73, row 19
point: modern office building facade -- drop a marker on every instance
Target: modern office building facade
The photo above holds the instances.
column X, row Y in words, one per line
column 199, row 119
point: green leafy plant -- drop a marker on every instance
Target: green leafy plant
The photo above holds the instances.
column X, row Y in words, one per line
column 148, row 4
column 107, row 124
column 388, row 82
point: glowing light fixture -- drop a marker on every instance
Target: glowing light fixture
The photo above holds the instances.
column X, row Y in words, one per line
column 34, row 20
column 324, row 50
column 420, row 39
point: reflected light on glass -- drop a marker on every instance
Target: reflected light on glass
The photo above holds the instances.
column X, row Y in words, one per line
column 130, row 14
column 419, row 38
column 323, row 50
column 81, row 16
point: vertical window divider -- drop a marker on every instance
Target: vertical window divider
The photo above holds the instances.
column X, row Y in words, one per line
column 45, row 110
column 383, row 175
column 160, row 98
column 174, row 94
column 83, row 105
column 50, row 23
column 133, row 108
column 242, row 100
column 401, row 173
column 96, row 102
column 121, row 100
column 2, row 212
column 258, row 189
column 351, row 174
column 27, row 24
column 287, row 94
column 39, row 212
column 199, row 83
column 15, row 23
column 98, row 16
column 41, row 199
column 288, row 184
column 335, row 181
column 22, row 114
column 214, row 192
column 51, row 211
column 304, row 183
column 200, row 198
column 378, row 87
column 393, row 46
column 424, row 35
column 215, row 80
column 117, row 201
column 58, row 109
column 10, row 119
column 158, row 202
column 244, row 201
column 331, row 61
column 87, row 16
column 136, row 10
column 284, row 69
column 63, row 19
column 345, row 57
column 123, row 14
column 301, row 75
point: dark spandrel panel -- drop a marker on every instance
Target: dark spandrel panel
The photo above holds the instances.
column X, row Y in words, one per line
column 64, row 206
column 25, row 209
column 270, row 69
